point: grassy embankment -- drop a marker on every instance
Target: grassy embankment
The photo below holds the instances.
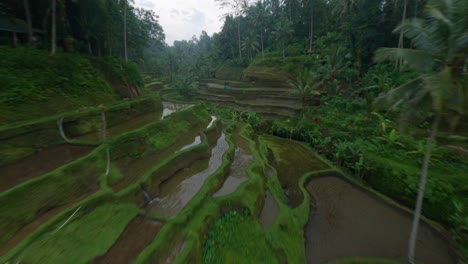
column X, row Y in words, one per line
column 93, row 208
column 35, row 84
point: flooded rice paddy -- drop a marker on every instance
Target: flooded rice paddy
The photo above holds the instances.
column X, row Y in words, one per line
column 177, row 191
column 350, row 222
column 237, row 173
column 345, row 220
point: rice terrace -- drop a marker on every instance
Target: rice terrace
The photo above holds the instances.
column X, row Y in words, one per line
column 295, row 131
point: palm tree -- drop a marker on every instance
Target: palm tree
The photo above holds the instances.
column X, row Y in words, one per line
column 311, row 32
column 303, row 86
column 250, row 46
column 344, row 7
column 54, row 28
column 259, row 14
column 28, row 20
column 282, row 32
column 400, row 39
column 334, row 65
column 125, row 4
column 440, row 58
column 238, row 8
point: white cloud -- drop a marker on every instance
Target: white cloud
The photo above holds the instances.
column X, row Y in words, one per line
column 181, row 19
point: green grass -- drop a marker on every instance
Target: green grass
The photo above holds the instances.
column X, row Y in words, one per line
column 20, row 205
column 35, row 84
column 226, row 72
column 83, row 238
column 165, row 136
column 268, row 74
column 237, row 238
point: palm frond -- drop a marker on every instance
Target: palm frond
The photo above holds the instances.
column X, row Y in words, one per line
column 436, row 14
column 453, row 90
column 462, row 42
column 399, row 96
column 419, row 60
column 416, row 30
column 441, row 87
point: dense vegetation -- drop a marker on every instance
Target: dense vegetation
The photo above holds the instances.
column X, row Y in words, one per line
column 388, row 79
column 112, row 34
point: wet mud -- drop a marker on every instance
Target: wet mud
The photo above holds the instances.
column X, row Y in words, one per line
column 347, row 221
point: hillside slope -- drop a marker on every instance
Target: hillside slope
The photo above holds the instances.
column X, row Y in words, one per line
column 34, row 84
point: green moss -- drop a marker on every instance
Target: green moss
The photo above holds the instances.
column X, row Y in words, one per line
column 237, row 238
column 165, row 136
column 291, row 161
column 114, row 175
column 20, row 205
column 22, row 139
column 11, row 153
column 87, row 235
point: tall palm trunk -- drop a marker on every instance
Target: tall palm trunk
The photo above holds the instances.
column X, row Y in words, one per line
column 261, row 40
column 311, row 28
column 239, row 37
column 415, row 15
column 284, row 53
column 54, row 27
column 28, row 20
column 400, row 40
column 421, row 188
column 90, row 49
column 15, row 40
column 125, row 31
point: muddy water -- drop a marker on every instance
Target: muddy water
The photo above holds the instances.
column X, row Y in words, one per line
column 177, row 191
column 348, row 221
column 195, row 142
column 170, row 108
column 237, row 172
column 292, row 162
column 269, row 212
column 213, row 119
column 39, row 164
column 138, row 234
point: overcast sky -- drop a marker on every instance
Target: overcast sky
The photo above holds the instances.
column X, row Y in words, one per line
column 181, row 19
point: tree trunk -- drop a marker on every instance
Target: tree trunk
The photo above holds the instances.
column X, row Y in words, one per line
column 284, row 56
column 421, row 188
column 28, row 20
column 125, row 31
column 90, row 50
column 261, row 40
column 400, row 41
column 67, row 38
column 54, row 27
column 239, row 37
column 311, row 29
column 15, row 40
column 415, row 15
column 232, row 51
